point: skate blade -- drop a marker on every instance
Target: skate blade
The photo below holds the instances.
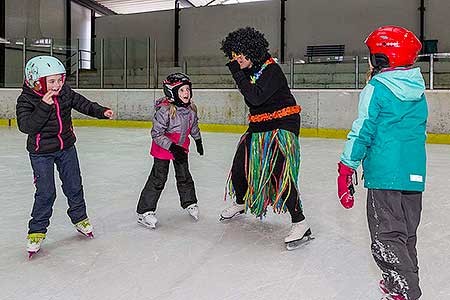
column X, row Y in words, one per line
column 299, row 243
column 195, row 218
column 222, row 218
column 88, row 235
column 146, row 225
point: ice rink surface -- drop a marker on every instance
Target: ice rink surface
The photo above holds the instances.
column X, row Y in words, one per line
column 182, row 259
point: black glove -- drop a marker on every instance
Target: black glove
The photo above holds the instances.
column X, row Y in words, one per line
column 234, row 66
column 236, row 72
column 199, row 145
column 179, row 153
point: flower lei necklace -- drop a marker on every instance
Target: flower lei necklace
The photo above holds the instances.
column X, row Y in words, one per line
column 256, row 76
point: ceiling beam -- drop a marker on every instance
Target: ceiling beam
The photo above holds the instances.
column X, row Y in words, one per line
column 95, row 6
column 218, row 2
column 187, row 3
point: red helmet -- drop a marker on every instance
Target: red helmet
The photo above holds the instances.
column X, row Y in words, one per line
column 399, row 45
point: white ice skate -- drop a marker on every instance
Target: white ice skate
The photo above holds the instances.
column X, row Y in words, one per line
column 299, row 235
column 232, row 211
column 85, row 228
column 34, row 243
column 193, row 211
column 147, row 219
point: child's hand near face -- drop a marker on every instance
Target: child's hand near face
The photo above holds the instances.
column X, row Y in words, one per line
column 48, row 97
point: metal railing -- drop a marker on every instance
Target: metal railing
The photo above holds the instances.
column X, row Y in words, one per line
column 429, row 64
column 133, row 63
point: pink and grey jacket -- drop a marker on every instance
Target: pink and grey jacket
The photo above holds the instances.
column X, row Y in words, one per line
column 167, row 130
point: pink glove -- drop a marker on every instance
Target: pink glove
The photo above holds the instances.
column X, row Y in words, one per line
column 345, row 185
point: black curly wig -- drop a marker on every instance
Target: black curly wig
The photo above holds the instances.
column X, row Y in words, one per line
column 247, row 41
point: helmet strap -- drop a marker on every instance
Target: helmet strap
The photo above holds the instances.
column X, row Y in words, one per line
column 178, row 102
column 43, row 83
column 379, row 61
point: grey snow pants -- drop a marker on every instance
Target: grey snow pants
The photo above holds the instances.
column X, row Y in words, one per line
column 393, row 218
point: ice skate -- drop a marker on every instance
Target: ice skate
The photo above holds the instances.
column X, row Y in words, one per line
column 34, row 243
column 85, row 228
column 147, row 219
column 232, row 211
column 393, row 297
column 193, row 211
column 383, row 287
column 300, row 234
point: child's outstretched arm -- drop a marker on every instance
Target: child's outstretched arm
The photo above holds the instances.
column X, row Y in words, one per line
column 31, row 119
column 87, row 107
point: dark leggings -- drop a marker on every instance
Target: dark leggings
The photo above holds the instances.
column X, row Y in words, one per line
column 157, row 180
column 240, row 184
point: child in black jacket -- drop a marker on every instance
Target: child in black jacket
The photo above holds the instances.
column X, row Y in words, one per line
column 44, row 113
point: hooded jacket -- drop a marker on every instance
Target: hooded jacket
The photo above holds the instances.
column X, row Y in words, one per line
column 167, row 130
column 390, row 131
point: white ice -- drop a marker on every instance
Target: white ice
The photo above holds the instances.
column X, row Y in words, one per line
column 184, row 259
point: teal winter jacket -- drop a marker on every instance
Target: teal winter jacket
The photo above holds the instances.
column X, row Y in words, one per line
column 390, row 132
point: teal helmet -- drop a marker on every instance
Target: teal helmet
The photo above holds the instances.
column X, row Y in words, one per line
column 38, row 68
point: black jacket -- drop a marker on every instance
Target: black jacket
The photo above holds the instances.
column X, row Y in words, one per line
column 49, row 127
column 270, row 93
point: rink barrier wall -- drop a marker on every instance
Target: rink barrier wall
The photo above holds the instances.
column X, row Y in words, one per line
column 224, row 128
column 325, row 113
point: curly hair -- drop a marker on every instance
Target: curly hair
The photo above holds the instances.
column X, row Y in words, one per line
column 247, row 41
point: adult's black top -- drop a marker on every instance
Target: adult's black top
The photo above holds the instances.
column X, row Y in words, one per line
column 270, row 93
